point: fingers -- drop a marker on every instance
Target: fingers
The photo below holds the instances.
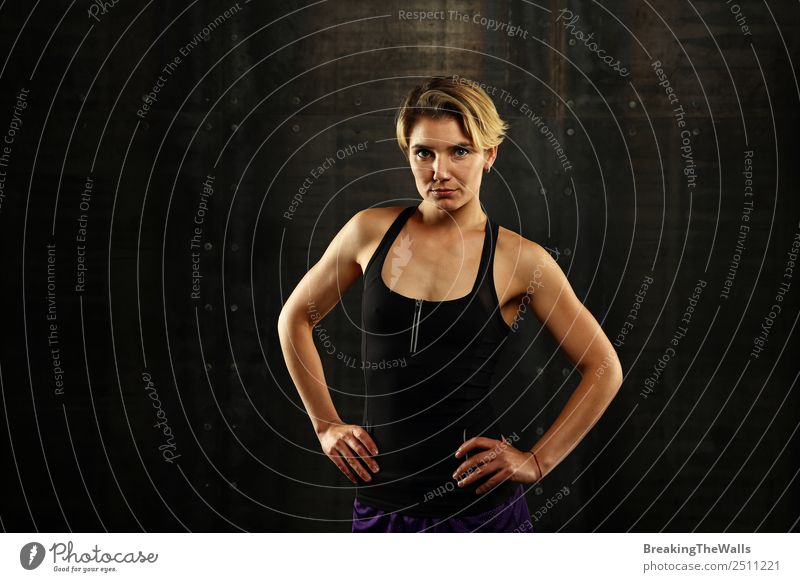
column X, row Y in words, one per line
column 346, row 447
column 496, row 479
column 470, row 464
column 474, row 472
column 475, row 442
column 337, row 459
column 352, row 460
column 362, row 452
column 365, row 438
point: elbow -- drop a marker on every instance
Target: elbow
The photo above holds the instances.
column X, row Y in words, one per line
column 284, row 318
column 289, row 319
column 608, row 372
column 284, row 322
column 616, row 375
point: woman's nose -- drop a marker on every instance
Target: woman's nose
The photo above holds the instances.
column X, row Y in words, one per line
column 440, row 170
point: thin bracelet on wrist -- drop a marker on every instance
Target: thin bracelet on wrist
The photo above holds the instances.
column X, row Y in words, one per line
column 541, row 474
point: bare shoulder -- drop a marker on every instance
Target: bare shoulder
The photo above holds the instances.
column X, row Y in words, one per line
column 520, row 255
column 340, row 265
column 522, row 265
column 366, row 224
column 372, row 223
column 537, row 283
column 369, row 227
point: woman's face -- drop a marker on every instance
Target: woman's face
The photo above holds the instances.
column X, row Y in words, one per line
column 446, row 166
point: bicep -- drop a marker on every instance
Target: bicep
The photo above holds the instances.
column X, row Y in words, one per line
column 573, row 326
column 323, row 286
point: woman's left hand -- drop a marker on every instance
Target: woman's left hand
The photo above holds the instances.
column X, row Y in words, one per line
column 501, row 461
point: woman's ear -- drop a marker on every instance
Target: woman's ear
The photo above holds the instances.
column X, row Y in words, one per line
column 490, row 155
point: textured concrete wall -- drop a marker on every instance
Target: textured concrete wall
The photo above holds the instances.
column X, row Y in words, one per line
column 657, row 194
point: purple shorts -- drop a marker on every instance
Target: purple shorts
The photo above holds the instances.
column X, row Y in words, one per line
column 512, row 515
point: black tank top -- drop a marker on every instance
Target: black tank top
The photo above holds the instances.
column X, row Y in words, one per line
column 427, row 370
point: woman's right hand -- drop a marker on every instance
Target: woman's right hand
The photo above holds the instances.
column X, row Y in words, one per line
column 344, row 444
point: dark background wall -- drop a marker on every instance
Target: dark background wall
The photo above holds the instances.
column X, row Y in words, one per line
column 176, row 412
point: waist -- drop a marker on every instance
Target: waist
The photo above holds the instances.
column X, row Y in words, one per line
column 425, row 398
column 442, row 500
column 417, row 462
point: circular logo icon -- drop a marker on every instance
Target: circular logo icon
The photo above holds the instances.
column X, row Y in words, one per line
column 31, row 555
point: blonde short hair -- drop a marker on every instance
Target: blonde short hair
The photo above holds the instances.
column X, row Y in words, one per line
column 456, row 97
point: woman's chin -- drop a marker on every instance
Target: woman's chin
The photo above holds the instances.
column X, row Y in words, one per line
column 446, row 200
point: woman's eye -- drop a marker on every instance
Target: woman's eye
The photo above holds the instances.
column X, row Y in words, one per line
column 421, row 156
column 461, row 155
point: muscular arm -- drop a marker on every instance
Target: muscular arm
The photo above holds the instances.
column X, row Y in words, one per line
column 315, row 296
column 582, row 339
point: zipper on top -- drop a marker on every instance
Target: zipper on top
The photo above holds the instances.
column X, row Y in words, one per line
column 415, row 324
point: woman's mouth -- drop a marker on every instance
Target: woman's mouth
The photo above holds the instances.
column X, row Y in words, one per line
column 443, row 192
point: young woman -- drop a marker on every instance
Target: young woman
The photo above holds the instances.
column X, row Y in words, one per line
column 443, row 288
